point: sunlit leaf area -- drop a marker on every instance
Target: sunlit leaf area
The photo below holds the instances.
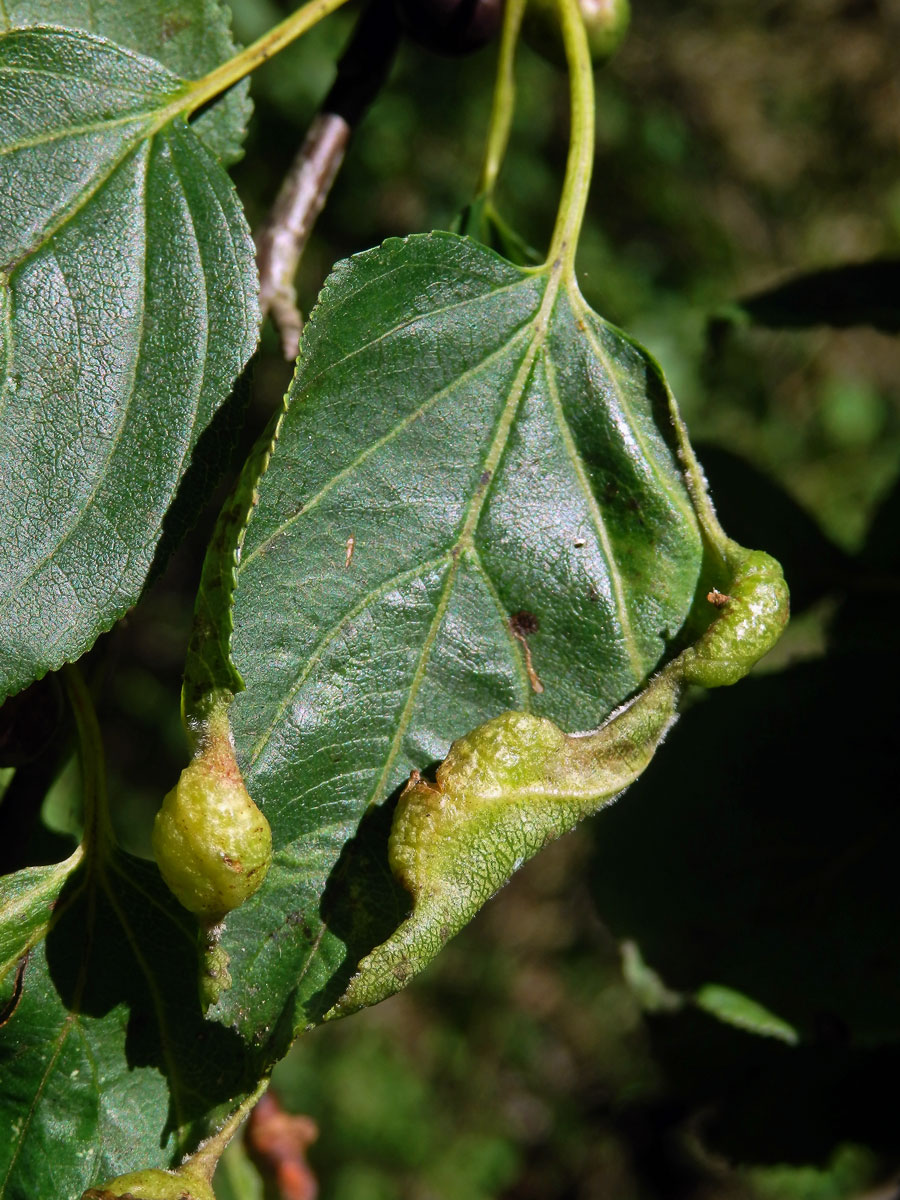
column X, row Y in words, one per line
column 693, row 995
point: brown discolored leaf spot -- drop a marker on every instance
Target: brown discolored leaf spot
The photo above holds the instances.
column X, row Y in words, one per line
column 521, row 625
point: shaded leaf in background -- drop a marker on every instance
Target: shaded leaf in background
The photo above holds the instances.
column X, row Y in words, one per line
column 760, row 856
column 471, row 481
column 756, row 510
column 106, row 1062
column 865, row 293
column 129, row 308
column 867, row 617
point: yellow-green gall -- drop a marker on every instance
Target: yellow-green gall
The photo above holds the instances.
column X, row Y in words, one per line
column 153, row 1184
column 605, row 23
column 212, row 844
column 750, row 619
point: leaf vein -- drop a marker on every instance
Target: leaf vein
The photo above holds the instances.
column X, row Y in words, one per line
column 117, row 437
column 375, row 594
column 66, row 1028
column 401, row 325
column 384, row 440
column 71, row 131
column 518, row 654
column 680, row 501
column 612, row 566
column 175, row 1084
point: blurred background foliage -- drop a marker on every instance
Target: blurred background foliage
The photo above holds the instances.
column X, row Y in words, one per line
column 738, row 144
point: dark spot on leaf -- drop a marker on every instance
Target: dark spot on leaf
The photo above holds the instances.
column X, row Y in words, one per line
column 402, row 970
column 485, row 479
column 523, row 623
column 593, row 594
column 298, row 920
column 445, row 932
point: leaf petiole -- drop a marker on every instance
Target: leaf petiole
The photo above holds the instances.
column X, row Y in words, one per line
column 504, row 101
column 253, row 56
column 580, row 161
column 98, row 834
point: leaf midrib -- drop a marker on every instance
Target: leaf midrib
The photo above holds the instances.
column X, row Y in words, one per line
column 395, row 430
column 541, row 322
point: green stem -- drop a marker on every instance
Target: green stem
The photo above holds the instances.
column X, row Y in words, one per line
column 204, row 1160
column 504, row 101
column 579, row 164
column 714, row 535
column 98, row 833
column 266, row 47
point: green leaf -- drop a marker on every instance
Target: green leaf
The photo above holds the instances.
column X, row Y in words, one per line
column 106, row 1061
column 190, row 38
column 26, row 905
column 472, row 479
column 850, row 1171
column 734, row 1008
column 725, row 1004
column 128, row 308
column 501, row 794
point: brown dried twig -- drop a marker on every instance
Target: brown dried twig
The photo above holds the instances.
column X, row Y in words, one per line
column 281, row 240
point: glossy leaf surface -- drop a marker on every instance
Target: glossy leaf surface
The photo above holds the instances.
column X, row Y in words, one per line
column 472, row 506
column 128, row 309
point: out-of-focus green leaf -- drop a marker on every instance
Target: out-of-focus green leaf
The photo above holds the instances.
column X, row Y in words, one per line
column 734, row 1008
column 851, row 1171
column 128, row 309
column 480, row 220
column 472, row 506
column 725, row 1004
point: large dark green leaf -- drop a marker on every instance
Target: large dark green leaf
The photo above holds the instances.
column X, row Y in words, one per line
column 128, row 309
column 469, row 455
